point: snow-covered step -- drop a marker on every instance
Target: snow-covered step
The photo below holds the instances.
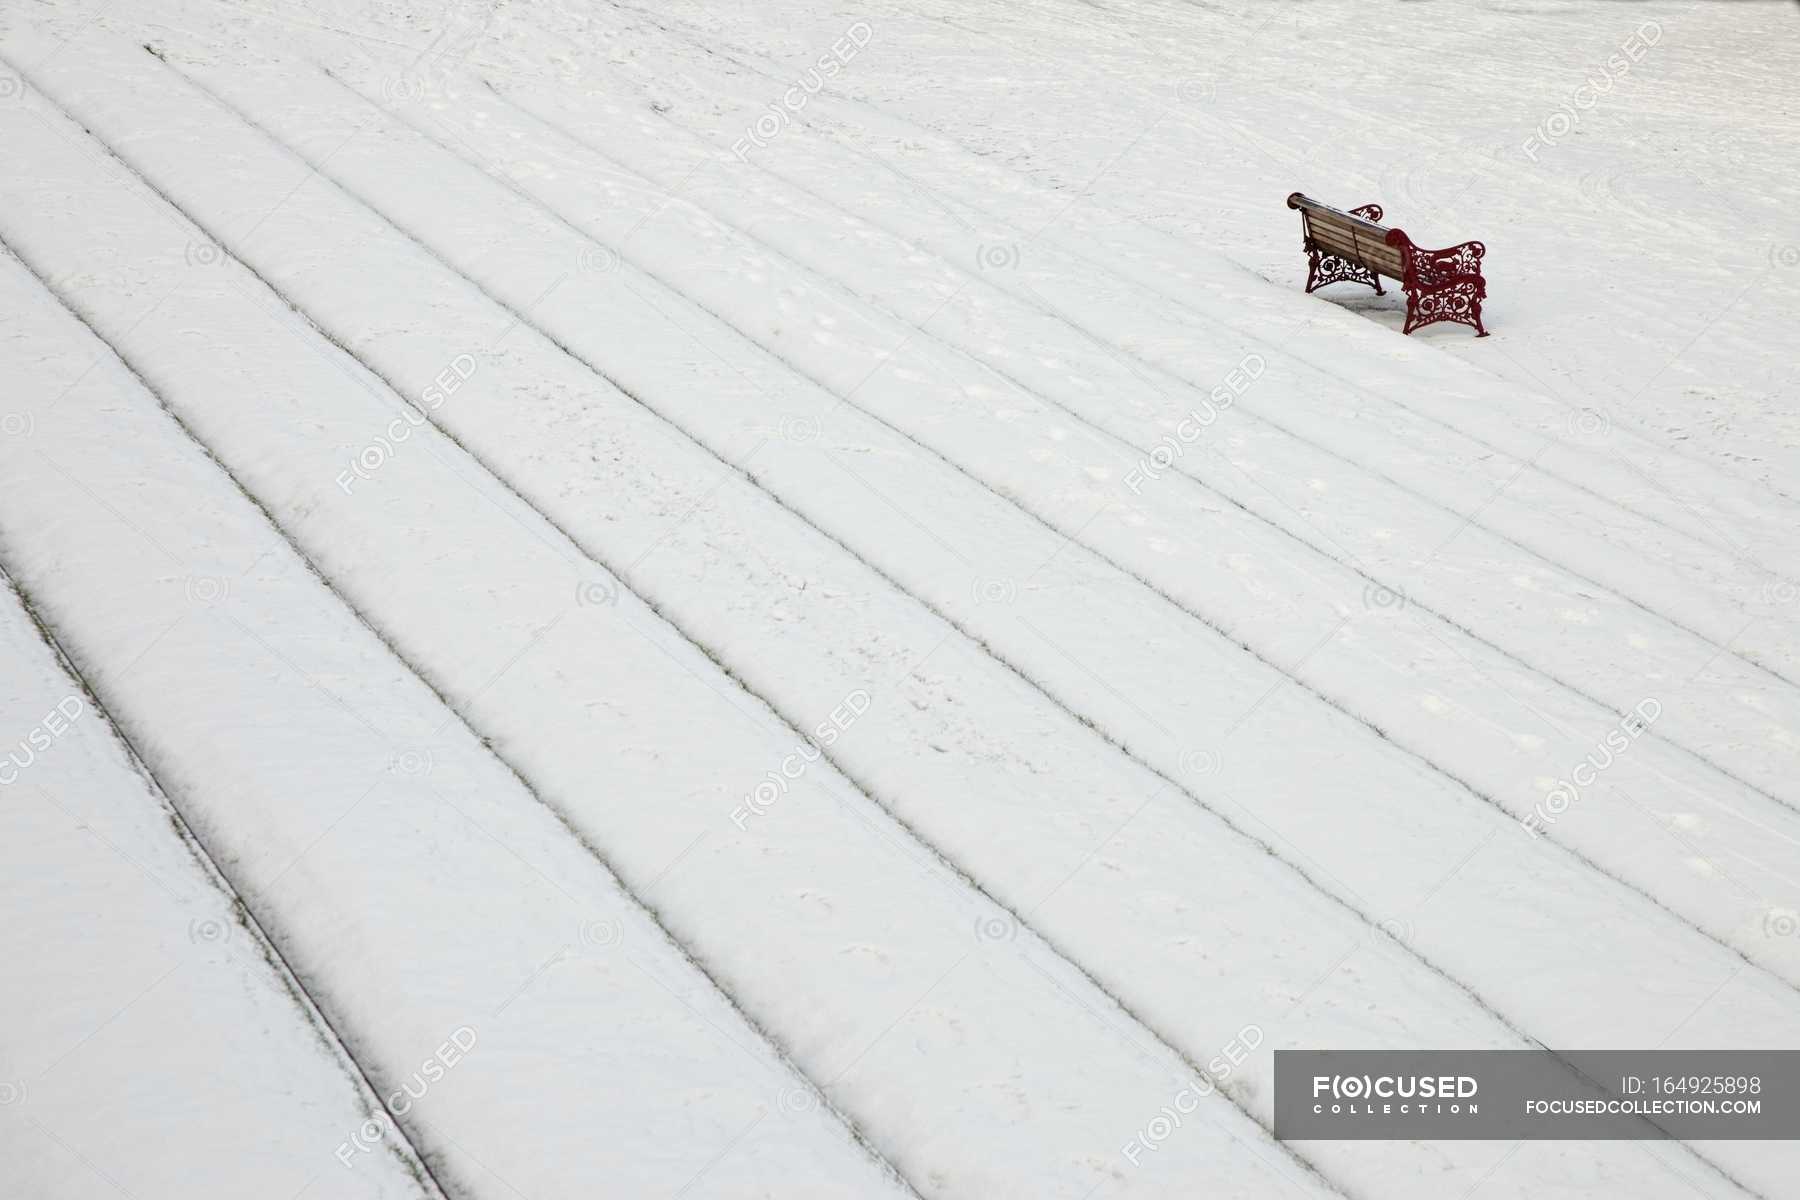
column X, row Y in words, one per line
column 1737, row 715
column 908, row 999
column 122, row 946
column 355, row 312
column 504, row 997
column 1684, row 835
column 1684, row 829
column 1125, row 163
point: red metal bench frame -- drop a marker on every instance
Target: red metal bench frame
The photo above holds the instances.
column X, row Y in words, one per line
column 1440, row 285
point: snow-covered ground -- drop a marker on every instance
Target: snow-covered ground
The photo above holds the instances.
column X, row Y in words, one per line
column 565, row 628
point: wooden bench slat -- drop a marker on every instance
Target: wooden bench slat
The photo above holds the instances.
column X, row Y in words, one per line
column 1382, row 257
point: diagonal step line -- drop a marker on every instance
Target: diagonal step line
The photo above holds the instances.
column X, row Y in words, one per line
column 1349, row 560
column 1284, row 675
column 833, row 95
column 1466, row 989
column 1475, row 997
column 480, row 289
column 776, row 1048
column 955, row 869
column 310, row 1008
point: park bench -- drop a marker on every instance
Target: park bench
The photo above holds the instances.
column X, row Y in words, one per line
column 1353, row 247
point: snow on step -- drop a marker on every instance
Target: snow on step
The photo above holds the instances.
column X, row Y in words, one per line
column 414, row 884
column 982, row 1065
column 878, row 109
column 143, row 1022
column 507, row 431
column 1715, row 704
column 1151, row 343
column 1683, row 831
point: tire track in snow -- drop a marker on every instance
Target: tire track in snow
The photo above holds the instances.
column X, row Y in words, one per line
column 1372, row 919
column 322, row 1025
column 777, row 1049
column 923, row 845
column 867, row 790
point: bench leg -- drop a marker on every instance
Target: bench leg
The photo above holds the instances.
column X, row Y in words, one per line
column 1458, row 302
column 1323, row 267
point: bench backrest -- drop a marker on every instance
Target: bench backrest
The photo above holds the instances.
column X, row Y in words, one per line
column 1349, row 236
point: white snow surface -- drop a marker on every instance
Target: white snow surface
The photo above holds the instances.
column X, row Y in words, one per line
column 560, row 640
